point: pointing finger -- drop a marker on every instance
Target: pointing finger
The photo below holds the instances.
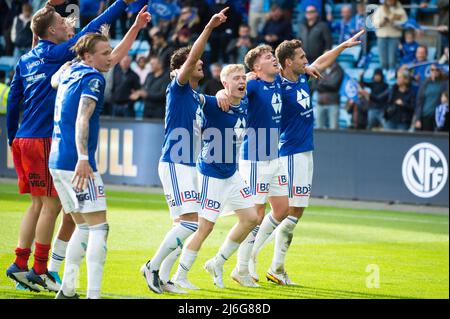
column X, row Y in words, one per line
column 224, row 10
column 144, row 8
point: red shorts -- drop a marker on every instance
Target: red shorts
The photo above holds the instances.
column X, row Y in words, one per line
column 30, row 157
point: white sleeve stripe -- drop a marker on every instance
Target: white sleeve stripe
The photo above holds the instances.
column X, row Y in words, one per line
column 91, row 96
column 179, row 84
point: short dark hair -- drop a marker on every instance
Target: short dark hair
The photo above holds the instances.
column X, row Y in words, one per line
column 286, row 50
column 179, row 57
column 41, row 20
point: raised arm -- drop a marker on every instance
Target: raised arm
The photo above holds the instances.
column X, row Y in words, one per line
column 328, row 58
column 62, row 51
column 13, row 103
column 121, row 50
column 83, row 170
column 199, row 46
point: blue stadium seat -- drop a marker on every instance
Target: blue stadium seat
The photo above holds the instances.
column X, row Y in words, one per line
column 354, row 73
column 368, row 75
column 432, row 7
column 140, row 47
column 432, row 54
column 7, row 63
column 346, row 65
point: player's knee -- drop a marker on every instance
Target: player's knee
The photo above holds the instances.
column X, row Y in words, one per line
column 296, row 211
column 253, row 220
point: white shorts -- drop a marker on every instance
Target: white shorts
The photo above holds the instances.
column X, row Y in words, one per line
column 223, row 196
column 300, row 175
column 180, row 188
column 265, row 178
column 91, row 200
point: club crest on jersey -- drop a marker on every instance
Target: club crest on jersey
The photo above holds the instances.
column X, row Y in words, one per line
column 239, row 128
column 303, row 98
column 276, row 102
column 94, row 85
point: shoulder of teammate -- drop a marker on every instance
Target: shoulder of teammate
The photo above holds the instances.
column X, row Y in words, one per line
column 176, row 86
column 210, row 104
column 93, row 85
column 252, row 87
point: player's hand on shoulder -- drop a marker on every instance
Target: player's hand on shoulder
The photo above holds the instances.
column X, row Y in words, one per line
column 83, row 172
column 251, row 76
column 218, row 19
column 223, row 100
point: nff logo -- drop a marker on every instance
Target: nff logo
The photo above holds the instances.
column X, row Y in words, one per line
column 425, row 170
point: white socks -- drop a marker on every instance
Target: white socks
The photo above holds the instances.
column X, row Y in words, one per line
column 95, row 258
column 187, row 259
column 226, row 250
column 174, row 238
column 283, row 240
column 59, row 248
column 268, row 225
column 167, row 264
column 76, row 250
column 245, row 251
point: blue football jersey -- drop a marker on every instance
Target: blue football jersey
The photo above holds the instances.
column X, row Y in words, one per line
column 31, row 92
column 221, row 136
column 182, row 124
column 297, row 121
column 78, row 81
column 263, row 120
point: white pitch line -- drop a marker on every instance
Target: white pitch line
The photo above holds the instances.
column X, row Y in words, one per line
column 343, row 215
column 399, row 219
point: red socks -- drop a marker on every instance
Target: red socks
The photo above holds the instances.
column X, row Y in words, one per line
column 22, row 255
column 40, row 258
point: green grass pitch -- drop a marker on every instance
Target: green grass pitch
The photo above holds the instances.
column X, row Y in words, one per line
column 336, row 252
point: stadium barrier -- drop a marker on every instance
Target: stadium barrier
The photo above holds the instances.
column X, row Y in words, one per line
column 360, row 165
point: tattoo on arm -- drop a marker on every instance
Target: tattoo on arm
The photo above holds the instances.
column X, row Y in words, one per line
column 85, row 110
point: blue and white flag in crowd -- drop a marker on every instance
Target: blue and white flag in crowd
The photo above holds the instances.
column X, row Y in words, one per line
column 349, row 88
column 411, row 24
column 135, row 7
column 163, row 9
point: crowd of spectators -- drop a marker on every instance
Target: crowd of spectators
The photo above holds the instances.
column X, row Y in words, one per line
column 406, row 90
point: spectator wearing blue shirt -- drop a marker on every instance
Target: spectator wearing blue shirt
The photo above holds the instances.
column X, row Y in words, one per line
column 408, row 47
column 346, row 27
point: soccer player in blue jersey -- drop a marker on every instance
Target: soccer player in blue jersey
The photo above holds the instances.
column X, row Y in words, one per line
column 296, row 140
column 177, row 164
column 222, row 189
column 79, row 102
column 260, row 165
column 31, row 93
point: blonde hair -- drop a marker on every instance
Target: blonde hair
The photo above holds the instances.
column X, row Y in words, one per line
column 231, row 68
column 255, row 53
column 87, row 42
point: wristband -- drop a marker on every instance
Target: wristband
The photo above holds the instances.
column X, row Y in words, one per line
column 82, row 157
